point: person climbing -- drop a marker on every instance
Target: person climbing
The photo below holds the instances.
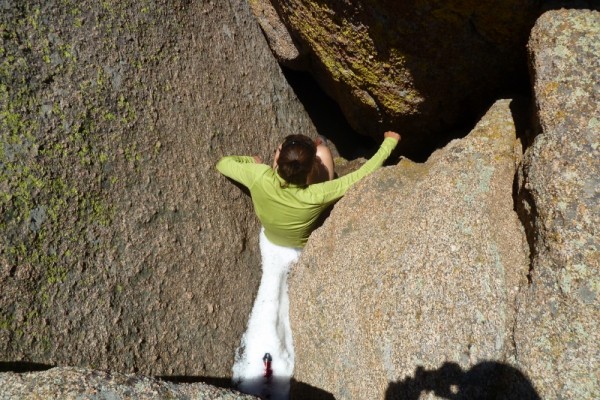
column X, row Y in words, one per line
column 288, row 199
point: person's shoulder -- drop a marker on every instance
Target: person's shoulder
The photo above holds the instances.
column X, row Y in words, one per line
column 264, row 172
column 264, row 168
column 257, row 167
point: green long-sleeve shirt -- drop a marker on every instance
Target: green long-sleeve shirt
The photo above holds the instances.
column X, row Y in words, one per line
column 288, row 212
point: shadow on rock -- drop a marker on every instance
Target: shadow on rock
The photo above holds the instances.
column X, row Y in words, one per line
column 301, row 390
column 23, row 366
column 280, row 388
column 328, row 118
column 570, row 4
column 298, row 390
column 485, row 381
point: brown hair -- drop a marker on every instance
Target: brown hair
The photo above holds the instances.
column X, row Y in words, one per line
column 296, row 159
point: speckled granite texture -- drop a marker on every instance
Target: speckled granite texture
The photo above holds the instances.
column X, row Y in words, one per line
column 418, row 266
column 69, row 383
column 557, row 335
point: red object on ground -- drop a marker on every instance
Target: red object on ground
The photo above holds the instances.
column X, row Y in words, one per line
column 267, row 359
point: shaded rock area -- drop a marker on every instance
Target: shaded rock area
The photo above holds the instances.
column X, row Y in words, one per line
column 79, row 383
column 418, row 265
column 419, row 67
column 558, row 328
column 486, row 380
column 120, row 246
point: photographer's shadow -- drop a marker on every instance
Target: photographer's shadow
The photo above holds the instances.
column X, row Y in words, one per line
column 485, row 381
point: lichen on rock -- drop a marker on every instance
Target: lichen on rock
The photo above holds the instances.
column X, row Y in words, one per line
column 557, row 334
column 114, row 238
column 417, row 67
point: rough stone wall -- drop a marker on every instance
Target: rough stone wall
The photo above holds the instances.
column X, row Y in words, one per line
column 559, row 314
column 419, row 67
column 410, row 285
column 80, row 383
column 120, row 245
column 276, row 33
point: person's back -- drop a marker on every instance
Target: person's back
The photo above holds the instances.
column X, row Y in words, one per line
column 286, row 205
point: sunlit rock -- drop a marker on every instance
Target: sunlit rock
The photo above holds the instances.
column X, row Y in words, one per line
column 417, row 267
column 559, row 314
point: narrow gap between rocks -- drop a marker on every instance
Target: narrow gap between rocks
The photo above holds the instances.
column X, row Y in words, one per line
column 328, row 118
column 527, row 127
column 330, row 121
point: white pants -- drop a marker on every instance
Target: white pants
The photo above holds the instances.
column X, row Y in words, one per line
column 268, row 328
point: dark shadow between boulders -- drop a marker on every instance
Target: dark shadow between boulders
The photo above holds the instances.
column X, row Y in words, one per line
column 488, row 380
column 525, row 120
column 548, row 5
column 328, row 118
column 23, row 366
column 526, row 127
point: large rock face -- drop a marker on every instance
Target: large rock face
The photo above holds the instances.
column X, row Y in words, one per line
column 80, row 383
column 120, row 245
column 559, row 317
column 419, row 67
column 416, row 273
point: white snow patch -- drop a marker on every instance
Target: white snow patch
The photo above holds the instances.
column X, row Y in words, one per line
column 268, row 328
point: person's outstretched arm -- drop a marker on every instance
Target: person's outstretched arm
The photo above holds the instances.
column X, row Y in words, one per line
column 333, row 190
column 242, row 169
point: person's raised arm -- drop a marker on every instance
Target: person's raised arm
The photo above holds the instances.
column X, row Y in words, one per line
column 393, row 135
column 333, row 190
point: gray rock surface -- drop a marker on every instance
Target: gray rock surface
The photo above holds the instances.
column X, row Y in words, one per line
column 79, row 383
column 121, row 247
column 417, row 269
column 419, row 67
column 278, row 36
column 559, row 315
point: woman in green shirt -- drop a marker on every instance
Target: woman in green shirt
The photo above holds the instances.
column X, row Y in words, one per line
column 286, row 198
